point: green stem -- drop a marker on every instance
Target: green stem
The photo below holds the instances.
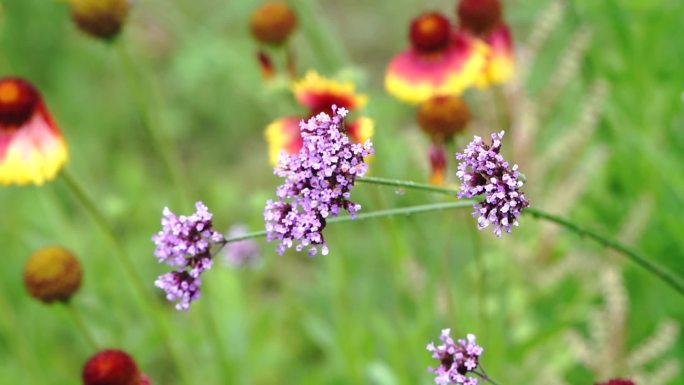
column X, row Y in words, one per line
column 407, row 184
column 108, row 231
column 484, row 375
column 648, row 265
column 11, row 328
column 81, row 325
column 216, row 340
column 151, row 121
column 481, row 279
column 502, row 114
column 375, row 214
column 132, row 274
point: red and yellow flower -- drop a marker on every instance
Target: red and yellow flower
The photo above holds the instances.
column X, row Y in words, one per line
column 32, row 149
column 483, row 20
column 317, row 94
column 440, row 61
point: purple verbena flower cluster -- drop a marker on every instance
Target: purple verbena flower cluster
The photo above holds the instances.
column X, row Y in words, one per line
column 482, row 170
column 185, row 242
column 240, row 253
column 317, row 185
column 456, row 359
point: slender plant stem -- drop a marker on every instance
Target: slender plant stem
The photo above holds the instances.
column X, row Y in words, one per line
column 649, row 265
column 484, row 375
column 375, row 214
column 81, row 325
column 151, row 121
column 481, row 279
column 446, row 275
column 15, row 336
column 407, row 184
column 502, row 113
column 486, row 378
column 131, row 272
column 108, row 231
column 216, row 340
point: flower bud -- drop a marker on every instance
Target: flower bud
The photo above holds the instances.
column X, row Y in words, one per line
column 273, row 22
column 52, row 273
column 100, row 18
column 438, row 164
column 443, row 116
column 479, row 16
column 112, row 367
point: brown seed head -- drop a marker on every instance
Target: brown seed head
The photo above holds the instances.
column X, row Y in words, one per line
column 52, row 273
column 479, row 16
column 443, row 116
column 100, row 18
column 273, row 22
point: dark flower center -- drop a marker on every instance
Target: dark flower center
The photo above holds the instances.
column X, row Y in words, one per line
column 443, row 116
column 446, row 360
column 479, row 16
column 18, row 100
column 430, row 32
column 325, row 100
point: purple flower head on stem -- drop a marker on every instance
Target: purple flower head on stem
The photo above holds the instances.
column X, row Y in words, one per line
column 238, row 254
column 318, row 183
column 185, row 242
column 482, row 170
column 456, row 359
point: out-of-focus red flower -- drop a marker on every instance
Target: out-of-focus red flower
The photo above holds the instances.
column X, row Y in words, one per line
column 32, row 149
column 440, row 61
column 618, row 381
column 113, row 367
column 483, row 19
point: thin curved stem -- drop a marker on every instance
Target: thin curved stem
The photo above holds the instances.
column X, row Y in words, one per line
column 649, row 265
column 374, row 214
column 127, row 264
column 484, row 375
column 150, row 120
column 82, row 326
column 408, row 184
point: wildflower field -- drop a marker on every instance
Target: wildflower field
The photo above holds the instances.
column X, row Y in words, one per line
column 384, row 192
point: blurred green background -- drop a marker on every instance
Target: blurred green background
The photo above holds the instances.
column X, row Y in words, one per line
column 598, row 129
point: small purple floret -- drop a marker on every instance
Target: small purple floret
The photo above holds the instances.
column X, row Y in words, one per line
column 185, row 242
column 482, row 170
column 456, row 359
column 318, row 183
column 244, row 253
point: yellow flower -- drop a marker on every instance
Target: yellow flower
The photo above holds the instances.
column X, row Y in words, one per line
column 317, row 94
